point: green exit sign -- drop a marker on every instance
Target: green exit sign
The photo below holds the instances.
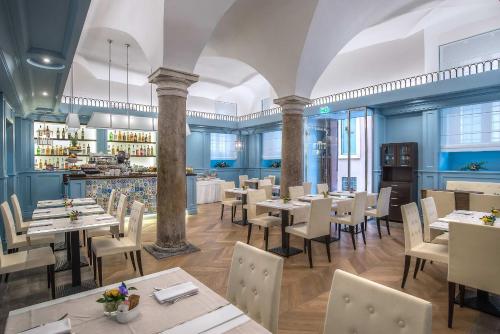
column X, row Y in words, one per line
column 324, row 110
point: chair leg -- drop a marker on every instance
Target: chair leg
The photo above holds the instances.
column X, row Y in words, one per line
column 378, row 228
column 461, row 290
column 451, row 302
column 139, row 261
column 327, row 244
column 249, row 232
column 266, row 238
column 232, row 214
column 305, row 246
column 52, row 246
column 126, row 257
column 52, row 270
column 94, row 260
column 387, row 224
column 417, row 267
column 99, row 268
column 48, row 277
column 407, row 268
column 83, row 237
column 423, row 264
column 351, row 230
column 6, row 278
column 221, row 211
column 363, row 233
column 132, row 259
column 366, row 222
column 89, row 247
column 309, row 253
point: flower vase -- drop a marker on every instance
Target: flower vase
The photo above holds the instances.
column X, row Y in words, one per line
column 110, row 308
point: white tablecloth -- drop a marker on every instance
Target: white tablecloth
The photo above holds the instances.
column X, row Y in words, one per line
column 208, row 191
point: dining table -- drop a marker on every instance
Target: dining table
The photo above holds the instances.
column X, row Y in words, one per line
column 56, row 203
column 65, row 225
column 203, row 312
column 62, row 212
column 241, row 193
column 482, row 300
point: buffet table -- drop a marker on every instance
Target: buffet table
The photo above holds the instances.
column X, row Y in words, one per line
column 208, row 191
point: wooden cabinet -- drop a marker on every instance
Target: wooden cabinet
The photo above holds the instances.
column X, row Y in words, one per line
column 399, row 171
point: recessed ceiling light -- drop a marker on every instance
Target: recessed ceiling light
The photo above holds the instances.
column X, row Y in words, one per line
column 45, row 93
column 46, row 60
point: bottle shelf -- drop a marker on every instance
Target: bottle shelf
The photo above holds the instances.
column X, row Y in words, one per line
column 143, row 156
column 55, row 139
column 132, row 142
column 59, row 155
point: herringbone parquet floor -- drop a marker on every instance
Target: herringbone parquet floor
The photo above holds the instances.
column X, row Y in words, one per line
column 304, row 291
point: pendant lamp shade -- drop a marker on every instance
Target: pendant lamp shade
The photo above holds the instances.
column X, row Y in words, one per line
column 72, row 121
column 100, row 120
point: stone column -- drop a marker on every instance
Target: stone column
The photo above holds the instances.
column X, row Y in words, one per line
column 292, row 141
column 171, row 158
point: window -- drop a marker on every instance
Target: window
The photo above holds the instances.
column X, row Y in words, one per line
column 471, row 128
column 354, row 183
column 222, row 146
column 271, row 145
column 343, row 130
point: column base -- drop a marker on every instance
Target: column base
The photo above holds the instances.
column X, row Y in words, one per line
column 160, row 253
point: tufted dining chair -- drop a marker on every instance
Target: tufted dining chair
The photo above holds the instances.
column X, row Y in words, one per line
column 358, row 305
column 21, row 225
column 356, row 217
column 321, row 188
column 298, row 215
column 259, row 216
column 381, row 211
column 242, row 179
column 254, row 284
column 414, row 243
column 430, row 214
column 111, row 202
column 228, row 199
column 444, row 200
column 307, row 187
column 473, row 260
column 265, row 182
column 132, row 241
column 272, row 178
column 483, row 202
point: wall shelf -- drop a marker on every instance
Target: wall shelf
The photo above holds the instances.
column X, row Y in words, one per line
column 132, row 142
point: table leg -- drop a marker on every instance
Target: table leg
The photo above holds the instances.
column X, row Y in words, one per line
column 285, row 249
column 76, row 278
column 68, row 246
column 482, row 301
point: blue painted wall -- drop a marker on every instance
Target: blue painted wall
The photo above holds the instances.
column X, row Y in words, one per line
column 457, row 160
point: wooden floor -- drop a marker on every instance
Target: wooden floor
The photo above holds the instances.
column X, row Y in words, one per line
column 304, row 291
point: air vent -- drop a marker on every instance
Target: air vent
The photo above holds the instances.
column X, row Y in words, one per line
column 41, row 110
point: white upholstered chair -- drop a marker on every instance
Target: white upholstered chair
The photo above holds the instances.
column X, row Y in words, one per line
column 132, row 241
column 318, row 225
column 473, row 260
column 242, row 179
column 430, row 214
column 321, row 188
column 381, row 211
column 228, row 199
column 356, row 217
column 414, row 243
column 307, row 187
column 295, row 192
column 31, row 258
column 268, row 188
column 14, row 241
column 444, row 200
column 111, row 202
column 265, row 182
column 358, row 305
column 259, row 216
column 254, row 284
column 483, row 203
column 21, row 225
column 298, row 215
column 272, row 178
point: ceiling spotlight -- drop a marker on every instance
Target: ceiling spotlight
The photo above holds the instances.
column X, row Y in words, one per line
column 45, row 93
column 46, row 60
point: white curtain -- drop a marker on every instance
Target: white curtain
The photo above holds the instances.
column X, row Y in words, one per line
column 271, row 145
column 222, row 146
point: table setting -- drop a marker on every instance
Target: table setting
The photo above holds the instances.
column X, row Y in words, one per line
column 64, row 202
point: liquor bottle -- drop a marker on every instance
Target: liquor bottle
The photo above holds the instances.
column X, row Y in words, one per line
column 38, row 150
column 128, row 150
column 110, row 136
column 88, row 149
column 149, row 138
column 65, row 165
column 135, row 137
column 113, row 150
column 83, row 134
column 45, row 164
column 40, row 130
column 58, row 134
column 63, row 134
column 69, row 135
column 40, row 164
column 152, row 152
column 138, row 151
column 119, row 136
column 57, row 164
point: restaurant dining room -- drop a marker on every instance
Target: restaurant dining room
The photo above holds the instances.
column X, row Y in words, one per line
column 250, row 166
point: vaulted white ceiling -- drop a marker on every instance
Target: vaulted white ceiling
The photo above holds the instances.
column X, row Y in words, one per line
column 248, row 50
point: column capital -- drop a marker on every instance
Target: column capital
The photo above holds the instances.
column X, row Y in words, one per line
column 172, row 82
column 292, row 104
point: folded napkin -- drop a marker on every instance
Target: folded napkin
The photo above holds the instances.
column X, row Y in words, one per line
column 56, row 327
column 177, row 291
column 42, row 211
column 104, row 217
column 41, row 223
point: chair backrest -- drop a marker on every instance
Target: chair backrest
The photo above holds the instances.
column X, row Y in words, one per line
column 358, row 305
column 483, row 203
column 111, row 202
column 272, row 178
column 358, row 208
column 445, row 201
column 430, row 214
column 384, row 199
column 121, row 212
column 254, row 284
column 135, row 223
column 242, row 179
column 227, row 185
column 319, row 218
column 412, row 226
column 253, row 197
column 268, row 189
column 473, row 251
column 18, row 213
column 321, row 188
column 296, row 192
column 8, row 223
column 307, row 187
column 265, row 182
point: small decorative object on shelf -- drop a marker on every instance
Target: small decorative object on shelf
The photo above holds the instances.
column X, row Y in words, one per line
column 73, row 215
column 489, row 220
column 276, row 164
column 285, row 199
column 221, row 164
column 112, row 299
column 474, row 166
